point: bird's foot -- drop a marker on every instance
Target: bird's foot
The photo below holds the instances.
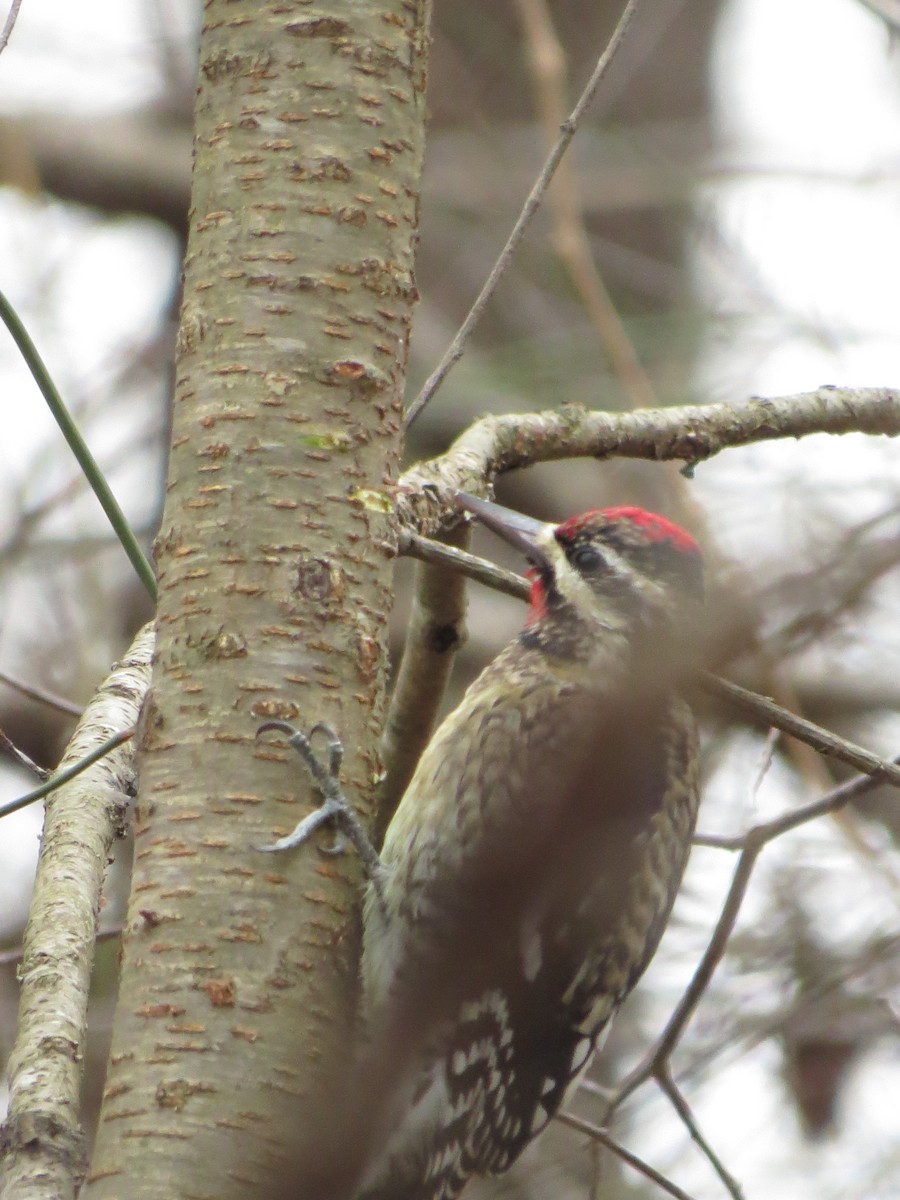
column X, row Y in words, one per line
column 335, row 808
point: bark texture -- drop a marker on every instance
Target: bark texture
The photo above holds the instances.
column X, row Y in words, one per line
column 274, row 562
column 42, row 1152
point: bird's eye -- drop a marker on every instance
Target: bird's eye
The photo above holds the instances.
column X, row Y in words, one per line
column 586, row 558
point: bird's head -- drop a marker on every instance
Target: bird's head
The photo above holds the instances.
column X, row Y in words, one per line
column 619, row 567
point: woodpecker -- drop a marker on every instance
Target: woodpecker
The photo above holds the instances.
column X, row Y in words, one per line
column 530, row 869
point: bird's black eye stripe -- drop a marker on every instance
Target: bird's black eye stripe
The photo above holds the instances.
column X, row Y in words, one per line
column 661, row 560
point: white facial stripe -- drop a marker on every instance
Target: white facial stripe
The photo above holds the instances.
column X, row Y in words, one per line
column 603, row 606
column 572, row 584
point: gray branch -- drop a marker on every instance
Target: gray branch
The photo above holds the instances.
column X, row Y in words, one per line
column 690, row 434
column 42, row 1149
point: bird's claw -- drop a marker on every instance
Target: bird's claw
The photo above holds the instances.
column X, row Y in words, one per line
column 337, row 847
column 334, row 807
column 335, row 747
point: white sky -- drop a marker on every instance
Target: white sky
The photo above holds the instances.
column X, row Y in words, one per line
column 810, row 88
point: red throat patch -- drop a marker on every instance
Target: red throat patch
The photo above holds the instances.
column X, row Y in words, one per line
column 537, row 600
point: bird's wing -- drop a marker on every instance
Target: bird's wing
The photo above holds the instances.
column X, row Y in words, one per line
column 514, row 951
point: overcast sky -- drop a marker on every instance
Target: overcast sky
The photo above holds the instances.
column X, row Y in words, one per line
column 806, row 273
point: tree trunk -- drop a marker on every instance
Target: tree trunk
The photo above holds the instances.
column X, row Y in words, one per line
column 274, row 561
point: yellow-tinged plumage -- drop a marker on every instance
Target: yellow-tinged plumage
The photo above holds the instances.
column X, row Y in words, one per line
column 531, row 866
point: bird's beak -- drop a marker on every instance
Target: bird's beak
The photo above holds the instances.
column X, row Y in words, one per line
column 520, row 531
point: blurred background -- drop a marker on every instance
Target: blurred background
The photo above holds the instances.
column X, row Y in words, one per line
column 728, row 224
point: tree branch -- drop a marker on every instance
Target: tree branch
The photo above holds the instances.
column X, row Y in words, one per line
column 9, row 24
column 532, row 204
column 750, row 844
column 681, row 1106
column 766, row 712
column 691, row 434
column 41, row 695
column 597, row 1134
column 42, row 1142
column 569, row 235
column 435, row 631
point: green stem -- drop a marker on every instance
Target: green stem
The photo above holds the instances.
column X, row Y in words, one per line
column 85, row 459
column 56, row 781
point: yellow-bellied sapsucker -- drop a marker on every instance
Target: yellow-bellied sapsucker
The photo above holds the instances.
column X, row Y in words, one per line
column 531, row 866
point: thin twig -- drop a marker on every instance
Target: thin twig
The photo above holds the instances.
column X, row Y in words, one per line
column 681, row 1106
column 569, row 236
column 21, row 757
column 78, row 446
column 766, row 760
column 647, row 1068
column 749, row 844
column 876, row 954
column 814, row 769
column 859, row 559
column 532, row 204
column 767, row 831
column 597, row 1134
column 41, row 695
column 9, row 24
column 767, row 712
column 470, row 565
column 61, row 777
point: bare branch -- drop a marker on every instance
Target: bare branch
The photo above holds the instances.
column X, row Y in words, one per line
column 681, row 1106
column 9, row 24
column 464, row 563
column 751, row 843
column 652, row 1063
column 435, row 631
column 547, row 60
column 42, row 1140
column 767, row 712
column 567, row 131
column 52, row 782
column 597, row 1134
column 692, row 434
column 767, row 831
column 21, row 757
column 41, row 695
